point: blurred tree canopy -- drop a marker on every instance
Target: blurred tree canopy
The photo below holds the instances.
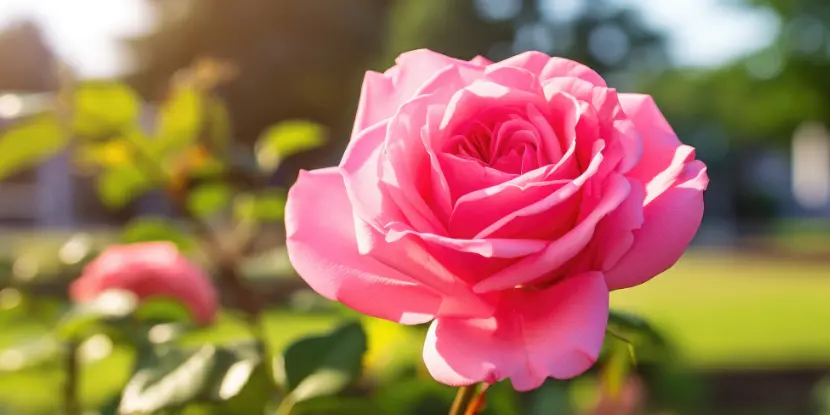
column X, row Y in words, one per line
column 306, row 58
column 764, row 96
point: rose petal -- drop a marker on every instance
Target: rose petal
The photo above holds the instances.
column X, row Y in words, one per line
column 149, row 270
column 556, row 332
column 476, row 211
column 465, row 176
column 481, row 61
column 542, row 264
column 382, row 94
column 470, row 260
column 409, row 254
column 615, row 233
column 489, row 208
column 673, row 205
column 550, row 216
column 514, row 77
column 360, row 168
column 552, row 67
column 481, row 95
column 411, row 172
column 322, row 248
column 659, row 141
column 611, row 122
column 670, row 222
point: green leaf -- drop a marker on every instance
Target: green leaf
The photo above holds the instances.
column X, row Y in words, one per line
column 180, row 118
column 551, row 398
column 646, row 341
column 617, row 367
column 118, row 186
column 29, row 142
column 411, row 396
column 162, row 310
column 104, row 108
column 170, row 379
column 338, row 406
column 267, row 206
column 502, row 399
column 322, row 365
column 286, row 139
column 209, row 199
column 35, row 352
column 84, row 317
column 151, row 229
column 218, row 125
column 254, row 396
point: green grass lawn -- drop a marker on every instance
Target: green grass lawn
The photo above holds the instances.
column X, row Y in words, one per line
column 739, row 312
column 722, row 312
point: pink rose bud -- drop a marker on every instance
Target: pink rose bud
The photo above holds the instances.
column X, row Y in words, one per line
column 501, row 201
column 149, row 270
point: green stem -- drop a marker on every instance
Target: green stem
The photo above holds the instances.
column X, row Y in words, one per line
column 286, row 406
column 463, row 399
column 70, row 387
column 477, row 405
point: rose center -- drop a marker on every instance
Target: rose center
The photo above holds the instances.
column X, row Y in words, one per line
column 511, row 145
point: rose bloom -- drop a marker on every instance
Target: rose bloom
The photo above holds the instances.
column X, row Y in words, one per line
column 501, row 201
column 149, row 270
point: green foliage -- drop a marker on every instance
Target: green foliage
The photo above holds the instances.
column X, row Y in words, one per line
column 118, row 186
column 149, row 229
column 84, row 318
column 286, row 139
column 30, row 353
column 29, row 142
column 209, row 199
column 551, row 398
column 104, row 108
column 322, row 365
column 266, row 206
column 180, row 118
column 618, row 365
column 218, row 125
column 172, row 378
column 647, row 342
column 162, row 311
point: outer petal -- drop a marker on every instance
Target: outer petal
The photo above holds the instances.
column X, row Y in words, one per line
column 360, row 168
column 322, row 247
column 547, row 67
column 615, row 233
column 673, row 206
column 556, row 332
column 671, row 220
column 659, row 142
column 481, row 61
column 382, row 94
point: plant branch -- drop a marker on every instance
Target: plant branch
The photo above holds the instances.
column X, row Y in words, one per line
column 463, row 399
column 70, row 386
column 477, row 405
column 228, row 267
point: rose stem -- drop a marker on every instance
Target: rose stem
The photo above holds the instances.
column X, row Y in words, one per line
column 70, row 386
column 478, row 403
column 463, row 399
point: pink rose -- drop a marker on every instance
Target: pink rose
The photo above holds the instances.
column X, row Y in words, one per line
column 501, row 201
column 149, row 270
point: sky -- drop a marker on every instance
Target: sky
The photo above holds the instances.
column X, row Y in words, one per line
column 84, row 33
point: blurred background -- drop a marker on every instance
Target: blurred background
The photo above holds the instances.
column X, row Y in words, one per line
column 744, row 81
